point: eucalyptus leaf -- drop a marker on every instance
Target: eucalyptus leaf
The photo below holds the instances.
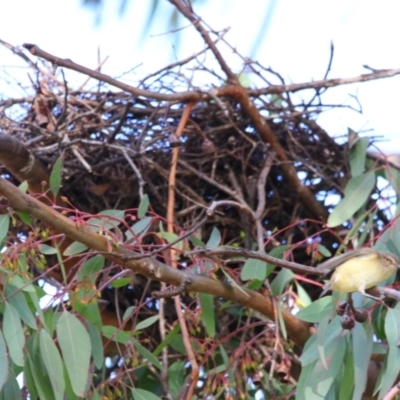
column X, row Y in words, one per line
column 356, row 193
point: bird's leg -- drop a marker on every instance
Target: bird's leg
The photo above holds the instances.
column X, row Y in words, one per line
column 361, row 289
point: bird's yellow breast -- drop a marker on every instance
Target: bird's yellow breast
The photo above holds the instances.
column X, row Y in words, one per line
column 360, row 273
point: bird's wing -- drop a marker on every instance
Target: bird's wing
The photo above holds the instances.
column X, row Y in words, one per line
column 334, row 262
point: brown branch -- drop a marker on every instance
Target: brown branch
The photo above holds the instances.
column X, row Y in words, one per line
column 23, row 164
column 63, row 62
column 194, row 375
column 259, row 122
column 233, row 252
column 298, row 330
column 228, row 90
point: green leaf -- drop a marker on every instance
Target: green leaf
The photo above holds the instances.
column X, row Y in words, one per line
column 230, row 281
column 140, row 394
column 55, row 177
column 47, row 250
column 176, row 377
column 143, row 206
column 214, row 240
column 168, row 339
column 52, row 361
column 128, row 312
column 304, row 300
column 358, row 155
column 76, row 348
column 392, row 247
column 393, row 176
column 89, row 310
column 281, row 281
column 36, row 374
column 115, row 334
column 4, row 225
column 277, row 252
column 196, row 241
column 97, row 345
column 208, row 312
column 24, row 217
column 74, row 248
column 310, row 352
column 392, row 363
column 121, row 282
column 356, row 193
column 139, row 228
column 3, row 361
column 30, row 382
column 147, row 322
column 108, row 222
column 91, row 267
column 324, row 251
column 69, row 391
column 254, row 269
column 18, row 300
column 147, row 355
column 361, row 357
column 347, row 381
column 14, row 334
column 11, row 389
column 171, row 237
column 23, row 187
column 316, row 310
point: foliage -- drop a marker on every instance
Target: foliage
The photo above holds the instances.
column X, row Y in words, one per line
column 161, row 218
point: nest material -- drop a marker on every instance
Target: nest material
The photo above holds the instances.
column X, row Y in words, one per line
column 115, row 148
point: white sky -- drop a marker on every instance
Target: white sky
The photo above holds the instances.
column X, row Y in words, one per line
column 296, row 44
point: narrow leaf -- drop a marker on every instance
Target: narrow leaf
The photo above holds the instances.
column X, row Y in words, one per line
column 52, row 361
column 139, row 228
column 143, row 206
column 140, row 394
column 147, row 355
column 91, row 267
column 147, row 322
column 208, row 312
column 18, row 300
column 14, row 334
column 74, row 248
column 121, row 282
column 214, row 240
column 97, row 345
column 356, row 193
column 315, row 311
column 3, row 361
column 55, row 177
column 358, row 156
column 76, row 348
column 254, row 269
column 4, row 225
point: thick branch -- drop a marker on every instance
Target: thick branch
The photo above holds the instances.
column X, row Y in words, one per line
column 21, row 163
column 299, row 331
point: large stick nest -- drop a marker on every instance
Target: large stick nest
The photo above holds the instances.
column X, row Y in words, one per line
column 116, row 147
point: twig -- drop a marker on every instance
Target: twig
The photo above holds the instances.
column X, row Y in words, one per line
column 173, row 256
column 137, row 172
column 257, row 119
column 298, row 268
column 174, row 291
column 228, row 90
column 79, row 156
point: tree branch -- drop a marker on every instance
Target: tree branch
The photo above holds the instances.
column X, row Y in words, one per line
column 299, row 331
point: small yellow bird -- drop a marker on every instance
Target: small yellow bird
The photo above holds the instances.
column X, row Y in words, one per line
column 358, row 270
